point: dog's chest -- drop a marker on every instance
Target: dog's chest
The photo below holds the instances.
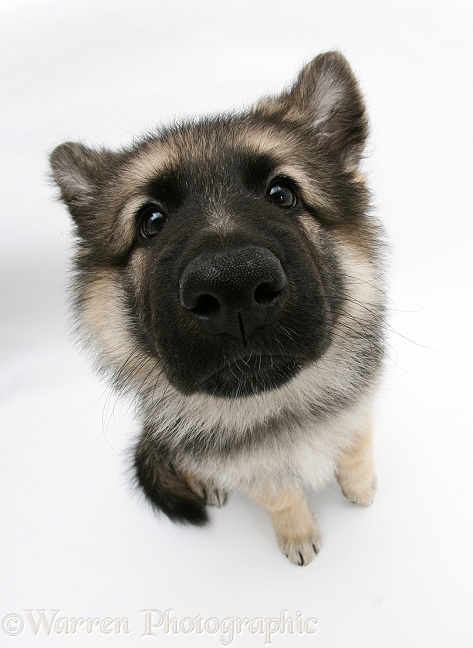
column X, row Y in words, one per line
column 305, row 455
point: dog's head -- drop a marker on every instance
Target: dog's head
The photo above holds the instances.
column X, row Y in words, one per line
column 219, row 254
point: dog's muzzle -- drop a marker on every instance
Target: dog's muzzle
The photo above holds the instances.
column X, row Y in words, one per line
column 233, row 292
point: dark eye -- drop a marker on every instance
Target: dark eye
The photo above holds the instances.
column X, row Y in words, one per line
column 281, row 194
column 151, row 220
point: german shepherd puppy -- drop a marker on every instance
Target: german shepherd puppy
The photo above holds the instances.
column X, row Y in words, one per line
column 227, row 276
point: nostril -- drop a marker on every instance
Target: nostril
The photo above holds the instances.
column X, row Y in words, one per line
column 265, row 294
column 206, row 305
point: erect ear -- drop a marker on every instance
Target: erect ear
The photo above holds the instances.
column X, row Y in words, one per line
column 326, row 96
column 78, row 171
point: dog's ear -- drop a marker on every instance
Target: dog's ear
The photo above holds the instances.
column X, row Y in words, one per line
column 78, row 171
column 326, row 96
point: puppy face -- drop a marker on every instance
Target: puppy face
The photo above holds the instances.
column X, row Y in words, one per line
column 218, row 255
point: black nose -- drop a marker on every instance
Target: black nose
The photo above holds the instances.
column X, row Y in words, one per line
column 233, row 291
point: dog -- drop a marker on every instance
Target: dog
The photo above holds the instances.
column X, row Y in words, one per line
column 229, row 278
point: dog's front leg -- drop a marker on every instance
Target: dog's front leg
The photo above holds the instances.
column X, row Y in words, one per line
column 355, row 470
column 296, row 530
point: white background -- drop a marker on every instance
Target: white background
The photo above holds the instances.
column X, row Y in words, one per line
column 75, row 536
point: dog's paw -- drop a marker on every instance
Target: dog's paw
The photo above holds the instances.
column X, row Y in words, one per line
column 208, row 492
column 359, row 491
column 301, row 550
column 214, row 496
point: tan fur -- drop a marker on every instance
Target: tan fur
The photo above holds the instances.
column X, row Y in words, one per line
column 103, row 316
column 355, row 469
column 147, row 164
column 296, row 531
column 108, row 331
column 126, row 220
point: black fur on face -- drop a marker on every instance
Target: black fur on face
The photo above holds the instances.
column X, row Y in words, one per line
column 218, row 216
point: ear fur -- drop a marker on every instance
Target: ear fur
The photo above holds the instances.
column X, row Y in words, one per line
column 77, row 170
column 327, row 98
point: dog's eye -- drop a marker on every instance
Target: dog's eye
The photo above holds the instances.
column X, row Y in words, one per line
column 151, row 220
column 281, row 194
